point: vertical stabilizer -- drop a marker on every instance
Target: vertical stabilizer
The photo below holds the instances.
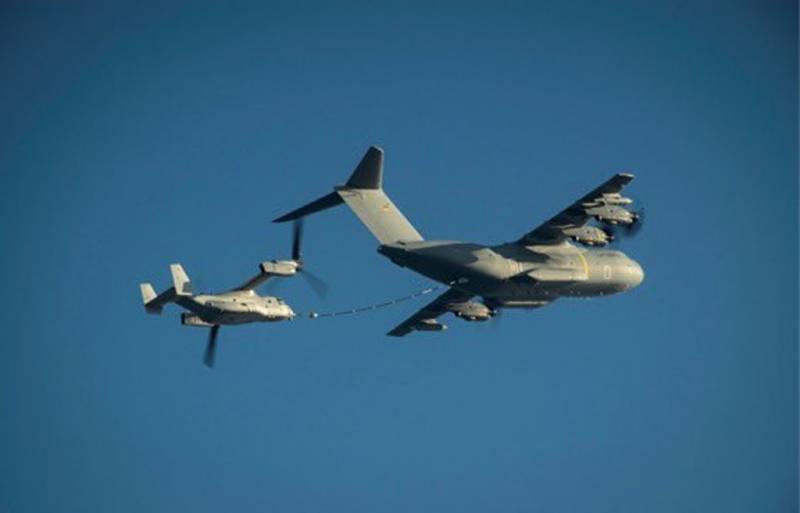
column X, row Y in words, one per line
column 153, row 304
column 148, row 293
column 180, row 280
column 364, row 194
column 369, row 172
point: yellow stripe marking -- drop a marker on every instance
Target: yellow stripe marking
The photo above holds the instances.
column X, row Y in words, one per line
column 585, row 264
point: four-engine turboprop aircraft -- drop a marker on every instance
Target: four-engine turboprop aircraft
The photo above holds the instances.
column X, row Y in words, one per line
column 530, row 272
column 240, row 305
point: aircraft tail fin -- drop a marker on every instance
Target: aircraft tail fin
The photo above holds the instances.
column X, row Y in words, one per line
column 180, row 280
column 364, row 194
column 369, row 172
column 148, row 293
column 153, row 304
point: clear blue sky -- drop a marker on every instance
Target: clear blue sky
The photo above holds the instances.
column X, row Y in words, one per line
column 133, row 137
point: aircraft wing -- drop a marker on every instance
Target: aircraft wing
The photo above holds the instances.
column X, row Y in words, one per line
column 575, row 215
column 430, row 312
column 254, row 282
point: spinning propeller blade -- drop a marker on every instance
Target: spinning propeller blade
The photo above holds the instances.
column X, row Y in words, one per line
column 319, row 287
column 633, row 228
column 617, row 232
column 211, row 347
column 297, row 239
column 316, row 283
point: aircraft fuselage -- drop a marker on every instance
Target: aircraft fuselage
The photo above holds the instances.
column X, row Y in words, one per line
column 239, row 307
column 512, row 275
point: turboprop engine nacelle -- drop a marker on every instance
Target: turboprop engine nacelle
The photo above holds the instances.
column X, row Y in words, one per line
column 429, row 325
column 279, row 267
column 611, row 198
column 615, row 198
column 612, row 214
column 471, row 311
column 589, row 235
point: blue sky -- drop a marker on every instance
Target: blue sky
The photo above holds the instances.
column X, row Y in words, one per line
column 134, row 137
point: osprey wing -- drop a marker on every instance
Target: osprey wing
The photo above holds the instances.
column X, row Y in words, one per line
column 604, row 203
column 253, row 282
column 268, row 269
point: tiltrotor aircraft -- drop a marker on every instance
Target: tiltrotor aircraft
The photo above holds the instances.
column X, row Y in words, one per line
column 533, row 271
column 239, row 305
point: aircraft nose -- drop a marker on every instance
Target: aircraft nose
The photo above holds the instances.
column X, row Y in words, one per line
column 635, row 274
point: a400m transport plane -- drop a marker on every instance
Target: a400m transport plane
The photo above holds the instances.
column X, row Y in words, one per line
column 533, row 271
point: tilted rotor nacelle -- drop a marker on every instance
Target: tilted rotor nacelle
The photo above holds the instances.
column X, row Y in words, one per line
column 283, row 268
column 589, row 235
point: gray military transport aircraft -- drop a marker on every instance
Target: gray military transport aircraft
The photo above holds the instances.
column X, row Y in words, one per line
column 239, row 305
column 530, row 272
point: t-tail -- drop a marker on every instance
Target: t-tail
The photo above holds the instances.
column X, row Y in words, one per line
column 364, row 194
column 181, row 288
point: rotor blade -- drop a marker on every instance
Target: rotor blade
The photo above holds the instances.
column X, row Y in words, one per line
column 319, row 287
column 633, row 228
column 211, row 347
column 297, row 239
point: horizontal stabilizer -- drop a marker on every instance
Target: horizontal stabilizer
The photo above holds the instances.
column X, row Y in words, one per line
column 329, row 200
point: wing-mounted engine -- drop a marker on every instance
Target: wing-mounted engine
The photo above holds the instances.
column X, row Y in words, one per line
column 610, row 198
column 429, row 325
column 612, row 214
column 471, row 311
column 604, row 204
column 588, row 235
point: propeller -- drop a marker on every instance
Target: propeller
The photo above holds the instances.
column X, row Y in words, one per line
column 211, row 347
column 638, row 221
column 318, row 285
column 615, row 232
column 610, row 233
